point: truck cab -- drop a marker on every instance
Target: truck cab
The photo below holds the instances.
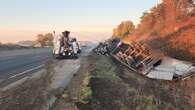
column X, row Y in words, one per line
column 64, row 46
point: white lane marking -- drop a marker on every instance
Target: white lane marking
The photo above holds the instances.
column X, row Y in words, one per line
column 27, row 71
column 14, row 84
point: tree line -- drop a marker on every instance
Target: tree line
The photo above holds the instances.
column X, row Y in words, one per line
column 44, row 39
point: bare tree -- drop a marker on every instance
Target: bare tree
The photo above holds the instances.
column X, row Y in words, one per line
column 45, row 40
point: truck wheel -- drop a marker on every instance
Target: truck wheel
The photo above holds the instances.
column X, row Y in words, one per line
column 74, row 56
column 55, row 56
column 79, row 51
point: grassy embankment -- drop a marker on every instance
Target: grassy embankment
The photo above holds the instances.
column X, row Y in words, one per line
column 110, row 86
column 103, row 84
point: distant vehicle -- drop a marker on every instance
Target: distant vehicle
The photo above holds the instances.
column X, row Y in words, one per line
column 65, row 47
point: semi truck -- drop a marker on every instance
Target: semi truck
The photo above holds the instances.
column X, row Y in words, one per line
column 65, row 46
column 144, row 61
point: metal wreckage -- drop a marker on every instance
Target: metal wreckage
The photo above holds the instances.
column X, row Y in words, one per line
column 142, row 60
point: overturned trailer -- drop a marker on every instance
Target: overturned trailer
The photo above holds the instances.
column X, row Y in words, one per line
column 140, row 59
column 135, row 57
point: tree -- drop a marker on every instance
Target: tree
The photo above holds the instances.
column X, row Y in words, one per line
column 144, row 15
column 124, row 29
column 45, row 40
column 49, row 39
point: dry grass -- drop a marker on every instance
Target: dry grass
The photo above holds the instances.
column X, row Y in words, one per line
column 115, row 87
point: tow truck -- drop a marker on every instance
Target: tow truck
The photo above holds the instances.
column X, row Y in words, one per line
column 64, row 46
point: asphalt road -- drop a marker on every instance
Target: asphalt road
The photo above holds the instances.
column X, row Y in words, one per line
column 17, row 63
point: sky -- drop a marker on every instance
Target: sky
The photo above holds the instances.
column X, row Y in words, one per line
column 86, row 19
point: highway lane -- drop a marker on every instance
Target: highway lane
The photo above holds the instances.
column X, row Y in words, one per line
column 18, row 62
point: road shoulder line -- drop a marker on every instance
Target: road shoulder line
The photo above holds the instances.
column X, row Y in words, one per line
column 26, row 71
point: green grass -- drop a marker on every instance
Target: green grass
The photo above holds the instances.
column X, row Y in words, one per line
column 86, row 92
column 105, row 69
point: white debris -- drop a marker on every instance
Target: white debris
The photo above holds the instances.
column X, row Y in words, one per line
column 160, row 75
column 170, row 68
column 164, row 68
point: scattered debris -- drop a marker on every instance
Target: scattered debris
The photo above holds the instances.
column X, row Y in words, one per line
column 171, row 69
column 105, row 48
column 102, row 49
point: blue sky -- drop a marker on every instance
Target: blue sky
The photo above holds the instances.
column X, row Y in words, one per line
column 23, row 19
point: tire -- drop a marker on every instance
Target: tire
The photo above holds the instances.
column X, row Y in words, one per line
column 55, row 56
column 74, row 56
column 79, row 51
